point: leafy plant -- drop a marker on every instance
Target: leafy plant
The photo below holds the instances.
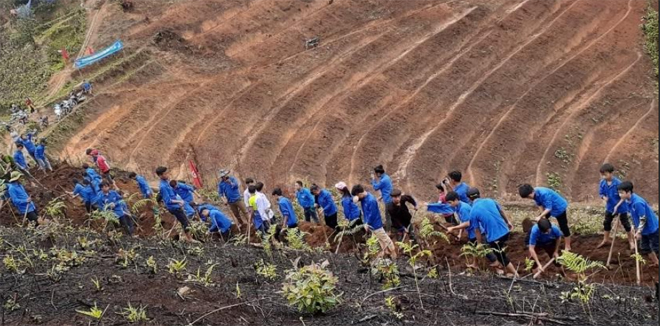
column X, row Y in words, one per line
column 93, row 312
column 55, row 208
column 135, row 208
column 97, row 284
column 238, row 239
column 392, row 307
column 578, row 264
column 66, row 259
column 238, row 291
column 373, row 248
column 554, row 180
column 14, row 265
column 529, row 264
column 177, row 267
column 126, row 257
column 433, row 273
column 426, row 231
column 296, row 239
column 85, row 243
column 11, row 304
column 269, row 271
column 474, row 251
column 151, row 263
column 582, row 291
column 197, row 251
column 202, row 279
column 135, row 314
column 650, row 29
column 388, row 271
column 408, row 250
column 107, row 215
column 311, row 288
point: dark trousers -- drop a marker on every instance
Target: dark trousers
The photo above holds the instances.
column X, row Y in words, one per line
column 126, row 221
column 548, row 248
column 609, row 217
column 33, row 217
column 310, row 213
column 562, row 219
column 181, row 217
column 498, row 249
column 331, row 220
column 88, row 207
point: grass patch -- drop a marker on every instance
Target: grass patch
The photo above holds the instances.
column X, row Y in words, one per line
column 650, row 29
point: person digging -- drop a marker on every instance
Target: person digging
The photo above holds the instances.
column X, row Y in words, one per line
column 543, row 237
column 172, row 201
column 21, row 200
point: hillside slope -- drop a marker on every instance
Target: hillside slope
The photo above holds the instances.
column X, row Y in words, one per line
column 509, row 91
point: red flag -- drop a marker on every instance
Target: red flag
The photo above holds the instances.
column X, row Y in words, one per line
column 195, row 175
column 65, row 55
column 90, row 50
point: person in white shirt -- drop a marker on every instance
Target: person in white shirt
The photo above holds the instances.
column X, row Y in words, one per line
column 246, row 195
column 263, row 204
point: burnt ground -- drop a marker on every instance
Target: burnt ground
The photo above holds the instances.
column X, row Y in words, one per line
column 452, row 299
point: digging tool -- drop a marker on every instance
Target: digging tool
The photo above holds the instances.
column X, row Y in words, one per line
column 26, row 213
column 446, row 229
column 639, row 279
column 609, row 256
column 544, row 267
column 249, row 227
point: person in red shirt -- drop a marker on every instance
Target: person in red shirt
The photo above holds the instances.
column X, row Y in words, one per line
column 30, row 105
column 102, row 164
column 449, row 218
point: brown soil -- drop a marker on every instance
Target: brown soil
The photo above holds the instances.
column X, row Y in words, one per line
column 507, row 91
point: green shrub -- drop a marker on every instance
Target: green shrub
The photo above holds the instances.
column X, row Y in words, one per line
column 311, row 289
column 650, row 29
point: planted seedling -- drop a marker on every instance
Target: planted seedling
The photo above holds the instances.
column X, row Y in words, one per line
column 97, row 284
column 151, row 263
column 268, row 271
column 177, row 267
column 135, row 314
column 311, row 288
column 93, row 312
column 408, row 249
column 390, row 303
column 202, row 279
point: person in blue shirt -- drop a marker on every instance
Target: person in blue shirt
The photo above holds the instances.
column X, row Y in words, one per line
column 327, row 203
column 453, row 183
column 228, row 188
column 607, row 190
column 383, row 183
column 543, row 236
column 551, row 204
column 218, row 222
column 173, row 203
column 490, row 216
column 110, row 200
column 373, row 220
column 462, row 213
column 351, row 210
column 204, row 206
column 85, row 192
column 87, row 87
column 289, row 219
column 645, row 220
column 306, row 201
column 91, row 173
column 142, row 184
column 21, row 200
column 19, row 158
column 40, row 156
column 27, row 141
column 185, row 191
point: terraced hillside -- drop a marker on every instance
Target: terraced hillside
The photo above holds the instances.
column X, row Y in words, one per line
column 509, row 91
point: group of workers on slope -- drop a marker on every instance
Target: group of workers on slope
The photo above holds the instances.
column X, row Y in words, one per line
column 483, row 219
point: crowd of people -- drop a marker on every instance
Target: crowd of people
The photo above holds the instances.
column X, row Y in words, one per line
column 483, row 220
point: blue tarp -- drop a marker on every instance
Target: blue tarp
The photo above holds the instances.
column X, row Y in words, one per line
column 98, row 56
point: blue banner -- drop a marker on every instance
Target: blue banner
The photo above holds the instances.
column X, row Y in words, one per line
column 98, row 56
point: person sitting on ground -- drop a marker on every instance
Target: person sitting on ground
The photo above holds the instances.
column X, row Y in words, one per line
column 462, row 213
column 218, row 222
column 645, row 220
column 289, row 219
column 442, row 195
column 373, row 220
column 85, row 192
column 306, row 201
column 185, row 191
column 87, row 87
column 383, row 183
column 142, row 184
column 489, row 214
column 260, row 224
column 173, row 203
column 28, row 143
column 228, row 188
column 21, row 200
column 551, row 204
column 401, row 217
column 327, row 203
column 351, row 211
column 40, row 156
column 453, row 183
column 543, row 236
column 607, row 190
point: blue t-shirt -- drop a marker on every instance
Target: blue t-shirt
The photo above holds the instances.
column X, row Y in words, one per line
column 639, row 207
column 327, row 202
column 185, row 192
column 19, row 197
column 487, row 213
column 536, row 237
column 385, row 187
column 371, row 212
column 144, row 186
column 168, row 195
column 463, row 211
column 550, row 199
column 462, row 189
column 610, row 191
column 351, row 211
column 305, row 198
column 286, row 208
column 86, row 193
column 229, row 190
column 219, row 221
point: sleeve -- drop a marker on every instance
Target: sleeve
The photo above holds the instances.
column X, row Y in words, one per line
column 601, row 190
column 261, row 207
column 411, row 200
column 327, row 201
column 15, row 198
column 377, row 184
column 77, row 190
column 167, row 198
column 214, row 224
column 234, row 183
column 533, row 236
column 464, row 214
column 220, row 190
column 284, row 210
column 547, row 202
